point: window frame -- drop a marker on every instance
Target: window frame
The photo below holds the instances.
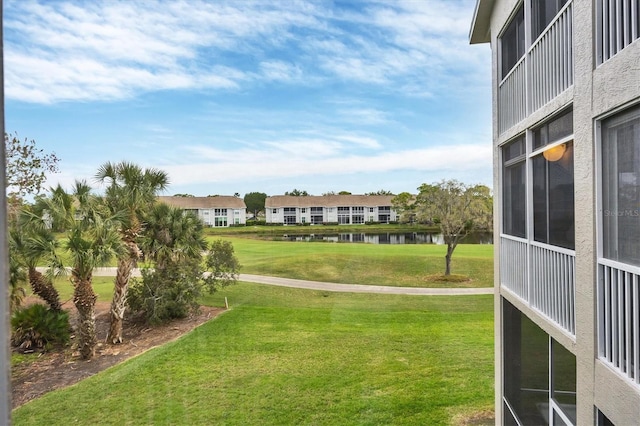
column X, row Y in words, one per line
column 628, row 110
column 518, row 10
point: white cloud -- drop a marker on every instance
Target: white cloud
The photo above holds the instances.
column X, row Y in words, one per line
column 109, row 50
column 280, row 71
column 243, row 165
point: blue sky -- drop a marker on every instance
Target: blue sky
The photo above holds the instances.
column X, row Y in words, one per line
column 241, row 95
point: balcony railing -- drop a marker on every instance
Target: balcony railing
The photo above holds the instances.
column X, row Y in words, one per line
column 541, row 275
column 545, row 71
column 512, row 101
column 551, row 61
column 619, row 317
column 553, row 271
column 618, row 25
column 513, row 266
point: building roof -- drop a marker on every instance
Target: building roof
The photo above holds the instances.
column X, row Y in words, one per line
column 218, row 202
column 328, row 201
column 480, row 31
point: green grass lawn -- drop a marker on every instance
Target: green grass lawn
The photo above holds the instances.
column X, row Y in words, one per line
column 287, row 356
column 407, row 265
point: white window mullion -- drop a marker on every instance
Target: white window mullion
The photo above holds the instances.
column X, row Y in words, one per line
column 620, row 319
column 636, row 329
column 634, row 20
column 619, row 26
column 628, row 315
column 608, row 314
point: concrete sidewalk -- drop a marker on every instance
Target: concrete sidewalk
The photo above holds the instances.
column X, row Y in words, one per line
column 336, row 287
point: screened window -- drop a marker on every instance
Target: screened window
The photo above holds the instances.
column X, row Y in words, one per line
column 563, row 379
column 539, row 373
column 553, row 200
column 512, row 42
column 554, row 130
column 542, row 13
column 621, row 187
column 514, row 201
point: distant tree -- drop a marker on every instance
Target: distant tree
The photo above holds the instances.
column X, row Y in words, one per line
column 380, row 192
column 457, row 209
column 236, row 194
column 213, row 195
column 255, row 202
column 297, row 193
column 403, row 204
column 344, row 193
column 182, row 195
column 27, row 166
column 326, row 194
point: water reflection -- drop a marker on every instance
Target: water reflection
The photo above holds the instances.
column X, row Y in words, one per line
column 391, row 238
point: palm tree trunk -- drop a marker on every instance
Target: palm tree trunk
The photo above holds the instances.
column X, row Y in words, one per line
column 44, row 289
column 118, row 303
column 85, row 300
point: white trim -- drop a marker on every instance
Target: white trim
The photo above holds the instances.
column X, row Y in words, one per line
column 555, row 408
column 556, row 249
column 619, row 265
column 513, row 413
column 542, row 149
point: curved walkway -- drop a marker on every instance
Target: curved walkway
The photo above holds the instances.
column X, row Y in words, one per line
column 336, row 287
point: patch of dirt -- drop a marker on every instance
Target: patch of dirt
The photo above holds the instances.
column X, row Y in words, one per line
column 479, row 418
column 63, row 367
column 453, row 278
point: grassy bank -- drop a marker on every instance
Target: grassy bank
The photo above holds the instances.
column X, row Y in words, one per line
column 287, row 356
column 406, row 265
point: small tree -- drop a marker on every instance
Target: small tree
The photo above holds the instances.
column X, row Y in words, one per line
column 297, row 193
column 457, row 209
column 255, row 202
column 403, row 204
column 27, row 166
column 222, row 265
column 173, row 240
column 380, row 192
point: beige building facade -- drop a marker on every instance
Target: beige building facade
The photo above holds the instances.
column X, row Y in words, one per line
column 566, row 138
column 218, row 211
column 323, row 209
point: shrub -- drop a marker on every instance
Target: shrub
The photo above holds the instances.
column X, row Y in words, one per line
column 37, row 328
column 165, row 294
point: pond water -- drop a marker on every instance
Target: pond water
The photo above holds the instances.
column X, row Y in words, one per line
column 390, row 238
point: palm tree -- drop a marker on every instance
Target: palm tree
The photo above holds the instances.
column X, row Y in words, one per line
column 172, row 235
column 132, row 190
column 29, row 245
column 92, row 240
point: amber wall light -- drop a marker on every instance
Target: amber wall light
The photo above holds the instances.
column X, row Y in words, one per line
column 554, row 153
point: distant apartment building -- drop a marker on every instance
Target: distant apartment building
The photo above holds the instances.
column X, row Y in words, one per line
column 340, row 209
column 218, row 211
column 566, row 140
